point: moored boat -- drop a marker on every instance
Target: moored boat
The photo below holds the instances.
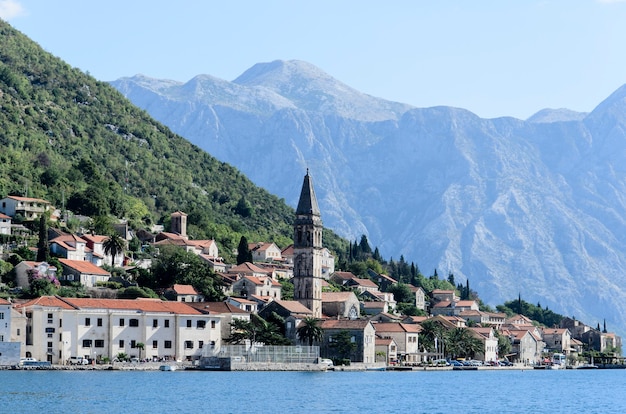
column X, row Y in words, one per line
column 167, row 368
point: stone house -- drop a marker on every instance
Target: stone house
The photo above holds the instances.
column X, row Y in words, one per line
column 5, row 224
column 248, row 286
column 340, row 304
column 87, row 273
column 557, row 339
column 26, row 207
column 360, row 332
column 264, row 252
column 184, row 293
column 386, row 350
column 406, row 337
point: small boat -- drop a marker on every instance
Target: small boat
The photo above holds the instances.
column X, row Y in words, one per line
column 167, row 367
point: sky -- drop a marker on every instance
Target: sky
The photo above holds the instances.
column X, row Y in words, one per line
column 492, row 57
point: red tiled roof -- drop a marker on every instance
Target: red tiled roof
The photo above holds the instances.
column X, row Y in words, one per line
column 46, row 301
column 133, row 304
column 4, row 216
column 184, row 289
column 28, row 199
column 84, row 267
column 247, row 267
column 397, row 327
column 364, row 282
column 336, row 296
column 95, row 238
column 345, row 324
column 216, row 307
column 293, row 306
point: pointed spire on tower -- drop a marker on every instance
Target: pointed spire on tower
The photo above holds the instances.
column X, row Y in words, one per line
column 308, row 202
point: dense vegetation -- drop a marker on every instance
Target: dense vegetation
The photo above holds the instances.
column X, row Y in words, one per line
column 77, row 142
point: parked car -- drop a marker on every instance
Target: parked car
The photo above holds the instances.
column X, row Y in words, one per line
column 455, row 363
column 441, row 362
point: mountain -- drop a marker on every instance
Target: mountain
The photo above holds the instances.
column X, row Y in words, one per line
column 76, row 141
column 535, row 208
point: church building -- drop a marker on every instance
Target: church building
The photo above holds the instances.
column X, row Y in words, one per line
column 307, row 250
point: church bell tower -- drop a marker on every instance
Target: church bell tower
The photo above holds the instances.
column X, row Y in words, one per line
column 307, row 250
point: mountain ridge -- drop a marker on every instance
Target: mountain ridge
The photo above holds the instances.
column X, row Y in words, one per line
column 532, row 207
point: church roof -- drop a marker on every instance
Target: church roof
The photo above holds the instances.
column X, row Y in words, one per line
column 308, row 201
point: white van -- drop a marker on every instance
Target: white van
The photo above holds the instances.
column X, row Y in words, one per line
column 78, row 361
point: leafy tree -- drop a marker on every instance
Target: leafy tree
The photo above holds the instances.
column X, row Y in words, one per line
column 402, row 293
column 176, row 265
column 41, row 287
column 342, row 344
column 286, row 292
column 504, row 344
column 114, row 246
column 140, row 346
column 310, row 331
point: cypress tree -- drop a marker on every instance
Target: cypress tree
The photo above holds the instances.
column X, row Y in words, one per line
column 43, row 248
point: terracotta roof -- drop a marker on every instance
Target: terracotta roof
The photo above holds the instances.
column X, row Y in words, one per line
column 28, row 199
column 344, row 275
column 260, row 280
column 466, row 303
column 4, row 302
column 171, row 236
column 442, row 304
column 247, row 267
column 388, row 278
column 259, row 246
column 293, row 306
column 95, row 238
column 443, row 292
column 287, row 251
column 216, row 307
column 46, row 301
column 336, row 296
column 416, row 319
column 133, row 304
column 364, row 282
column 344, row 324
column 374, row 305
column 178, row 213
column 397, row 327
column 4, row 216
column 84, row 267
column 184, row 289
column 383, row 341
column 243, row 301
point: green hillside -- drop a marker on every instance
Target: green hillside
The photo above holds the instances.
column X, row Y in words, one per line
column 66, row 136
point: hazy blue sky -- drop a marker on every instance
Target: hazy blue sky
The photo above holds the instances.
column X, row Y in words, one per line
column 494, row 58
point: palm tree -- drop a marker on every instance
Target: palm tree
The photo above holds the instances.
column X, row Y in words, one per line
column 461, row 342
column 113, row 246
column 310, row 331
column 140, row 346
column 432, row 333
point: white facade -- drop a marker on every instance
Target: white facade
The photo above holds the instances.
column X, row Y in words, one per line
column 5, row 224
column 5, row 321
column 60, row 329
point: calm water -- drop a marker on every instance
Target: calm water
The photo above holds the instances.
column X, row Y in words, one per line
column 567, row 391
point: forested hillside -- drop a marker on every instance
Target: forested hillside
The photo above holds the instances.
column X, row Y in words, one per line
column 73, row 140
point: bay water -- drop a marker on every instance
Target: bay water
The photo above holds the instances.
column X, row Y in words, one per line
column 497, row 391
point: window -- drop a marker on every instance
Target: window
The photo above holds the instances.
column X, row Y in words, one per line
column 18, row 333
column 212, row 324
column 166, row 323
column 121, row 344
column 60, row 323
column 188, row 323
column 133, row 344
column 87, row 321
column 49, row 344
column 155, row 344
column 49, row 330
column 86, row 343
column 133, row 322
column 200, row 344
column 99, row 322
column 168, row 344
column 121, row 321
column 188, row 344
column 1, row 315
column 99, row 343
column 155, row 323
column 200, row 324
column 49, row 316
